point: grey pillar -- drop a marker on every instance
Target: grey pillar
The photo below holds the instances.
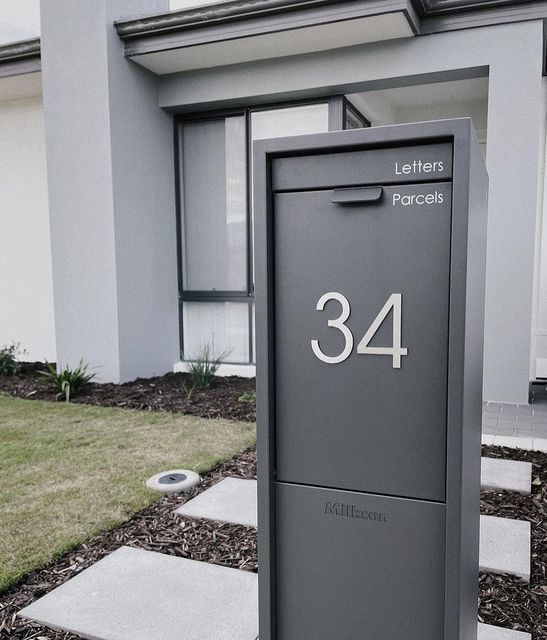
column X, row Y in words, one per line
column 111, row 194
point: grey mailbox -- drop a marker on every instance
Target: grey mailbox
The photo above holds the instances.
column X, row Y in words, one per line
column 370, row 257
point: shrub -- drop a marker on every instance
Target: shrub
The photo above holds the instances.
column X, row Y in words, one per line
column 8, row 359
column 68, row 382
column 202, row 370
column 249, row 397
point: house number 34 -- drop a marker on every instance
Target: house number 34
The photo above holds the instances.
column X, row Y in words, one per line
column 394, row 302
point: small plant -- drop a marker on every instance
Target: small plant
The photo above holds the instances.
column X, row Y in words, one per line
column 202, row 370
column 249, row 397
column 68, row 382
column 8, row 358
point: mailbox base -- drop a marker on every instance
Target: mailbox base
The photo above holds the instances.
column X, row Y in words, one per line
column 353, row 565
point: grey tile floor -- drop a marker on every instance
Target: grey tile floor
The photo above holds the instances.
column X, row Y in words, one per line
column 521, row 420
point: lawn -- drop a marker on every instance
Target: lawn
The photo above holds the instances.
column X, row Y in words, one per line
column 69, row 471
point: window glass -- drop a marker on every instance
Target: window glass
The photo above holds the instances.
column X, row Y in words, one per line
column 290, row 121
column 222, row 326
column 214, row 221
column 353, row 119
column 214, row 205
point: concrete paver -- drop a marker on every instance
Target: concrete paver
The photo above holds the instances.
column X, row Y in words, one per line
column 143, row 595
column 231, row 500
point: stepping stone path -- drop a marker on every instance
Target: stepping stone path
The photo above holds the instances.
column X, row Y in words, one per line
column 143, row 595
column 509, row 475
column 505, row 546
column 231, row 500
column 487, row 632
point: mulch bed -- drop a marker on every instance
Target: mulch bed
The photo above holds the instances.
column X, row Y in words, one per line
column 161, row 393
column 504, row 601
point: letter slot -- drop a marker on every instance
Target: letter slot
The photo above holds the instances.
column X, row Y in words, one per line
column 359, row 195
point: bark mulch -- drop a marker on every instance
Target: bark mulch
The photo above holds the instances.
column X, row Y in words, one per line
column 161, row 393
column 156, row 528
column 504, row 601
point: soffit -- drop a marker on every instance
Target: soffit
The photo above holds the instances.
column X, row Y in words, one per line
column 20, row 86
column 234, row 32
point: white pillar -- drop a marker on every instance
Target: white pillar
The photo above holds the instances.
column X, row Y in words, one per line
column 515, row 143
column 539, row 341
column 111, row 192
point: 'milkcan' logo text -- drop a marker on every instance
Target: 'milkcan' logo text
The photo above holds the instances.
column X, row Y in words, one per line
column 351, row 511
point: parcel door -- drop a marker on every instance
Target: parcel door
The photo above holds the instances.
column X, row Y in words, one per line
column 361, row 336
column 358, row 566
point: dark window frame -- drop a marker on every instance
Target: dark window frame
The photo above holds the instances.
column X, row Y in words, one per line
column 349, row 106
column 337, row 106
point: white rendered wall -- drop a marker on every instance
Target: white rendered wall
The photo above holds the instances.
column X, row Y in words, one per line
column 26, row 291
column 539, row 338
column 20, row 19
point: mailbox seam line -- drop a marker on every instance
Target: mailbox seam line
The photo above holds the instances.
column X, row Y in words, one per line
column 362, row 184
column 364, row 493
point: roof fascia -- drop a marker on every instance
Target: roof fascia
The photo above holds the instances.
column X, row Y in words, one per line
column 519, row 12
column 245, row 18
column 437, row 7
column 17, row 58
column 212, row 14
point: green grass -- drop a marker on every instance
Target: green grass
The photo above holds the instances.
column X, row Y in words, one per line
column 68, row 472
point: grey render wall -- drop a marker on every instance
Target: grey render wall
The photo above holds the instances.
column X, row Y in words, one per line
column 512, row 56
column 110, row 177
column 539, row 339
column 144, row 213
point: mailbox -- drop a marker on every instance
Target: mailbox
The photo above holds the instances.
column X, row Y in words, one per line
column 370, row 257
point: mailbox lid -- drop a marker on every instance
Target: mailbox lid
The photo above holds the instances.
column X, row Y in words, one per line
column 406, row 164
column 352, row 566
column 362, row 424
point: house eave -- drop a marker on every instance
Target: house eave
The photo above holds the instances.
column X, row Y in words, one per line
column 487, row 14
column 214, row 14
column 444, row 7
column 17, row 58
column 20, row 50
column 237, row 10
column 210, row 36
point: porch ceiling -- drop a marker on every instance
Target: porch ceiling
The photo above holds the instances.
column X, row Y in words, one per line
column 234, row 32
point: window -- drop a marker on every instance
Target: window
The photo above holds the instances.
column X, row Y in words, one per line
column 353, row 119
column 214, row 205
column 222, row 325
column 289, row 121
column 214, row 278
column 215, row 219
